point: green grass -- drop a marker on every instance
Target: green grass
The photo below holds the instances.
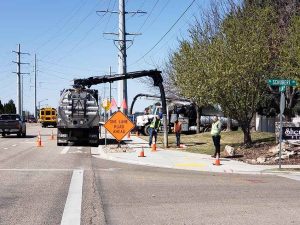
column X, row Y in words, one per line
column 202, row 143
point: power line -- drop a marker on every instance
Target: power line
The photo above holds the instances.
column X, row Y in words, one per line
column 148, row 15
column 72, row 31
column 158, row 15
column 69, row 67
column 81, row 40
column 166, row 32
column 109, row 14
column 74, row 13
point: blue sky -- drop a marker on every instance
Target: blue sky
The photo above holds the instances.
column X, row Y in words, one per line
column 67, row 36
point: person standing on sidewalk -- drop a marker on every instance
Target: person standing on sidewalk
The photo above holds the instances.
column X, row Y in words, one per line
column 154, row 127
column 177, row 131
column 216, row 137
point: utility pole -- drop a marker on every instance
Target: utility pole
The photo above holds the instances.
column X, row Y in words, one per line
column 122, row 47
column 109, row 92
column 35, row 71
column 19, row 80
column 122, row 85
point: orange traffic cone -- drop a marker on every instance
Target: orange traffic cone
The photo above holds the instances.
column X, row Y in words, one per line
column 128, row 135
column 39, row 141
column 142, row 153
column 153, row 148
column 52, row 136
column 217, row 162
column 137, row 133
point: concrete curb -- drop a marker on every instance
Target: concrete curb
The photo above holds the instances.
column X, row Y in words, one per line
column 100, row 153
column 174, row 159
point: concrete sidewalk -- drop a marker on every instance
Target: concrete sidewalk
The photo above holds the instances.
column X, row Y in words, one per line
column 176, row 159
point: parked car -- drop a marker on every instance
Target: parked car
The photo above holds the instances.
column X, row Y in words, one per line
column 12, row 124
column 32, row 119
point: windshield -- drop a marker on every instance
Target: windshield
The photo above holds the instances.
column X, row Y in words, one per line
column 9, row 117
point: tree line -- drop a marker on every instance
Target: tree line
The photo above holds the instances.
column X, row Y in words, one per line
column 231, row 53
column 8, row 107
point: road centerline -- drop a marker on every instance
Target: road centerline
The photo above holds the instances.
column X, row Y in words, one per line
column 72, row 210
column 65, row 150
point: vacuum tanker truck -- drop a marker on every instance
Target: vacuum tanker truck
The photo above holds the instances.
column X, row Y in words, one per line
column 78, row 117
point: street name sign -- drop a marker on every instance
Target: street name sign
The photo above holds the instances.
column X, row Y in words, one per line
column 274, row 82
column 282, row 87
column 119, row 125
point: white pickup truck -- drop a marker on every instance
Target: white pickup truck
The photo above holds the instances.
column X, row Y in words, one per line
column 12, row 124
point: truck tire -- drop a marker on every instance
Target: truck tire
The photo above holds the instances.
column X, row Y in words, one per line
column 3, row 134
column 59, row 138
column 24, row 134
column 19, row 134
column 147, row 129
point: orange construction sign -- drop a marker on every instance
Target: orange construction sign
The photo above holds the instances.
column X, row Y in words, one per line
column 119, row 125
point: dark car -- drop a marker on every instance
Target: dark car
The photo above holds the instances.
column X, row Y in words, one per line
column 31, row 119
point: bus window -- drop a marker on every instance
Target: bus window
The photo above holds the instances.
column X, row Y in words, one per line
column 42, row 113
column 47, row 113
column 53, row 113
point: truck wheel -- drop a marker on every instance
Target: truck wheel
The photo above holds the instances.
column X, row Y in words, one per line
column 24, row 134
column 3, row 134
column 19, row 134
column 147, row 129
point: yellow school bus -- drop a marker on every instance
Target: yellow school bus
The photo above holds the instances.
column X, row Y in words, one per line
column 48, row 117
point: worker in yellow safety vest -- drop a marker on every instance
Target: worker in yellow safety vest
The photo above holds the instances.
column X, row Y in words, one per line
column 154, row 127
column 215, row 133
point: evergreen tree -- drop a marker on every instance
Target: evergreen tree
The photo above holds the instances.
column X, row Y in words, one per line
column 9, row 107
column 1, row 107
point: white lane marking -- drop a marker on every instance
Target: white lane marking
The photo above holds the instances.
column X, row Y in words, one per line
column 79, row 148
column 65, row 150
column 36, row 170
column 72, row 211
column 5, row 148
column 291, row 176
column 14, row 145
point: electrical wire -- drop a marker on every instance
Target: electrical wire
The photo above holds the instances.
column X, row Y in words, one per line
column 158, row 15
column 61, row 28
column 69, row 67
column 193, row 1
column 110, row 14
column 81, row 40
column 71, row 32
column 151, row 11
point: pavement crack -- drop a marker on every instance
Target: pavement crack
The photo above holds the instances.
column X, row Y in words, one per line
column 97, row 209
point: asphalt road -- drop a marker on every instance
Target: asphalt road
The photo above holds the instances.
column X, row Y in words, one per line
column 67, row 185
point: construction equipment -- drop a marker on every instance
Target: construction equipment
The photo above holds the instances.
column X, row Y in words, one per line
column 78, row 117
column 179, row 109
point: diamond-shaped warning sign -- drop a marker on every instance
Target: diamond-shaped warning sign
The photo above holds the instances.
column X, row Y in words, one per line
column 119, row 125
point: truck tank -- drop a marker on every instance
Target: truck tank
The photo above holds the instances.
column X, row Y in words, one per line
column 78, row 117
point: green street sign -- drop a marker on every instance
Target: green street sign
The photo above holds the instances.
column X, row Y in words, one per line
column 282, row 82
